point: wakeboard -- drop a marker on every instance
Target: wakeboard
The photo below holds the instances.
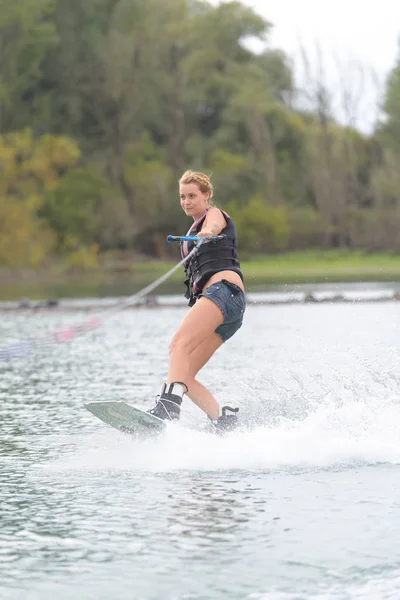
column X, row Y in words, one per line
column 126, row 418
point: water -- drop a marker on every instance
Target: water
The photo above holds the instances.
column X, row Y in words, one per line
column 304, row 502
column 117, row 284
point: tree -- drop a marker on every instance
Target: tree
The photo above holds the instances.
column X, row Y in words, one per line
column 26, row 35
column 260, row 228
column 390, row 131
column 29, row 168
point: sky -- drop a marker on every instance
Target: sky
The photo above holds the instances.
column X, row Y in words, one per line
column 358, row 41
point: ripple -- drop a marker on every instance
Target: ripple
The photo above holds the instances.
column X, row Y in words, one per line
column 300, row 502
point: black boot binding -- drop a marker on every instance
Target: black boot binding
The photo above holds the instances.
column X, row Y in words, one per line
column 226, row 422
column 168, row 406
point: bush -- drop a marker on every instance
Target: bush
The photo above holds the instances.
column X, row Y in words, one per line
column 260, row 227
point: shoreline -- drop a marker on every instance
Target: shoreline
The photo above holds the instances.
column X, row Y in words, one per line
column 159, row 302
column 123, row 277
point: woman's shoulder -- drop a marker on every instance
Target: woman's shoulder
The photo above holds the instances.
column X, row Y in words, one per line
column 214, row 211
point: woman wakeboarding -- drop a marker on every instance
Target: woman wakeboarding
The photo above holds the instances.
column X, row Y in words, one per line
column 216, row 296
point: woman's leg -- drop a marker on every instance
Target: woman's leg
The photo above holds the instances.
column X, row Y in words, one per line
column 197, row 331
column 196, row 391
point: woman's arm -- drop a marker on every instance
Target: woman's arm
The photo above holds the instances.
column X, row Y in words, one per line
column 213, row 224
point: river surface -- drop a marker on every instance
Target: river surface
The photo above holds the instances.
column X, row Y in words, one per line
column 302, row 502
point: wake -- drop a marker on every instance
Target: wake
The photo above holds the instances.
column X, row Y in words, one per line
column 329, row 437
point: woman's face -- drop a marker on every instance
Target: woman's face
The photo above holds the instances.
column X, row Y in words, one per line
column 193, row 201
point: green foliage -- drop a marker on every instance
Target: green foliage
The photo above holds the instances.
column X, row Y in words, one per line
column 24, row 239
column 260, row 228
column 71, row 209
column 232, row 175
column 29, row 168
column 85, row 257
column 149, row 179
column 129, row 94
column 391, row 129
column 385, row 181
column 375, row 229
column 27, row 34
column 307, row 228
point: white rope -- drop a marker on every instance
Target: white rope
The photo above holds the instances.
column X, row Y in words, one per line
column 152, row 286
column 24, row 347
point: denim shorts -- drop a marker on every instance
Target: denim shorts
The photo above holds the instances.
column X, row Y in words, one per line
column 232, row 302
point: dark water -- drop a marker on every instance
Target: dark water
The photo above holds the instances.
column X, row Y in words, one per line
column 303, row 502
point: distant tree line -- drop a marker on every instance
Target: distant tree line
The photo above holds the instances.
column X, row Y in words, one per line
column 103, row 104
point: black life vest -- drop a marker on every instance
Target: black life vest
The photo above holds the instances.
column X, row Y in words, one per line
column 211, row 257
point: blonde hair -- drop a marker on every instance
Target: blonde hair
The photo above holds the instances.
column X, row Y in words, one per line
column 202, row 181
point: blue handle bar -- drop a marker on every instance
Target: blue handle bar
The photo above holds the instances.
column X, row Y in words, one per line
column 192, row 238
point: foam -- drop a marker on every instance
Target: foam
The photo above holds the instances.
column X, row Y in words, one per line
column 329, row 436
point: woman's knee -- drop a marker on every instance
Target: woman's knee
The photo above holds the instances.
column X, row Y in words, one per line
column 178, row 344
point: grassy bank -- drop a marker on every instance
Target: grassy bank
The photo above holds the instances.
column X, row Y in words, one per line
column 304, row 267
column 126, row 277
column 333, row 266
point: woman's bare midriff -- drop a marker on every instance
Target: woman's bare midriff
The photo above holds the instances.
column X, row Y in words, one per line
column 230, row 276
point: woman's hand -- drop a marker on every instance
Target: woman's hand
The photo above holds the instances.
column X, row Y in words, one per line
column 206, row 233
